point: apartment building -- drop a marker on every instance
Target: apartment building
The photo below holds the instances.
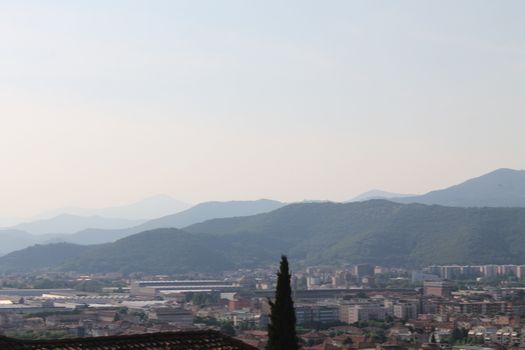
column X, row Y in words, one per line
column 350, row 313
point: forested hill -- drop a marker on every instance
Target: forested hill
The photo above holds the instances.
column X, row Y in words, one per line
column 376, row 231
column 384, row 232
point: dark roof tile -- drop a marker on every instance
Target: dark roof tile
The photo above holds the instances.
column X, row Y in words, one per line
column 201, row 340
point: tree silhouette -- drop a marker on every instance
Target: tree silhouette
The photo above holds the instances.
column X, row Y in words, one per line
column 281, row 329
column 433, row 339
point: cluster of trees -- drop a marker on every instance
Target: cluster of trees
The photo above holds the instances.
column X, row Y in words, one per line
column 459, row 336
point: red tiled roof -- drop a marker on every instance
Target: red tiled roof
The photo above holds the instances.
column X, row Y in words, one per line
column 324, row 346
column 201, row 340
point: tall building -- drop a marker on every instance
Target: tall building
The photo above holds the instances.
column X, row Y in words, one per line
column 490, row 271
column 362, row 270
column 507, row 270
column 451, row 272
column 520, row 271
column 471, row 271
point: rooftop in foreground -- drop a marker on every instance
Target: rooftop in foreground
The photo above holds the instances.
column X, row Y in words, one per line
column 202, row 340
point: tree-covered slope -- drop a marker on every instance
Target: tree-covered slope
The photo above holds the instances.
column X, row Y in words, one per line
column 383, row 232
column 41, row 257
column 12, row 240
column 376, row 231
column 157, row 251
column 198, row 213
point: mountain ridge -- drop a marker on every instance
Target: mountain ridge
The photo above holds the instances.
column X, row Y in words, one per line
column 89, row 236
column 69, row 224
column 502, row 187
column 376, row 231
column 377, row 194
column 141, row 210
column 200, row 212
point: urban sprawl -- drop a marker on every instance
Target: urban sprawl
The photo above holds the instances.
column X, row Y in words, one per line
column 346, row 307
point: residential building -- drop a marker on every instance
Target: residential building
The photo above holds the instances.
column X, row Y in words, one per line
column 350, row 313
column 405, row 310
column 316, row 313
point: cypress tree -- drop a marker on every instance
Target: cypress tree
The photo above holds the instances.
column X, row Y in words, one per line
column 281, row 329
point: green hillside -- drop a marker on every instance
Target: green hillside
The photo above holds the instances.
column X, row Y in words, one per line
column 41, row 257
column 158, row 251
column 376, row 231
column 383, row 232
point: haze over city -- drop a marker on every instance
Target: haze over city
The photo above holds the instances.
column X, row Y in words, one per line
column 105, row 103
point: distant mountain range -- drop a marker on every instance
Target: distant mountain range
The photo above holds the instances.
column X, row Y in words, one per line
column 41, row 257
column 145, row 209
column 378, row 194
column 212, row 210
column 481, row 220
column 382, row 232
column 67, row 224
column 98, row 234
column 9, row 221
column 375, row 231
column 73, row 219
column 14, row 240
column 500, row 188
column 198, row 213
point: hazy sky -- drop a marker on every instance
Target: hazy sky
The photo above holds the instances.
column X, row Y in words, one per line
column 106, row 102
